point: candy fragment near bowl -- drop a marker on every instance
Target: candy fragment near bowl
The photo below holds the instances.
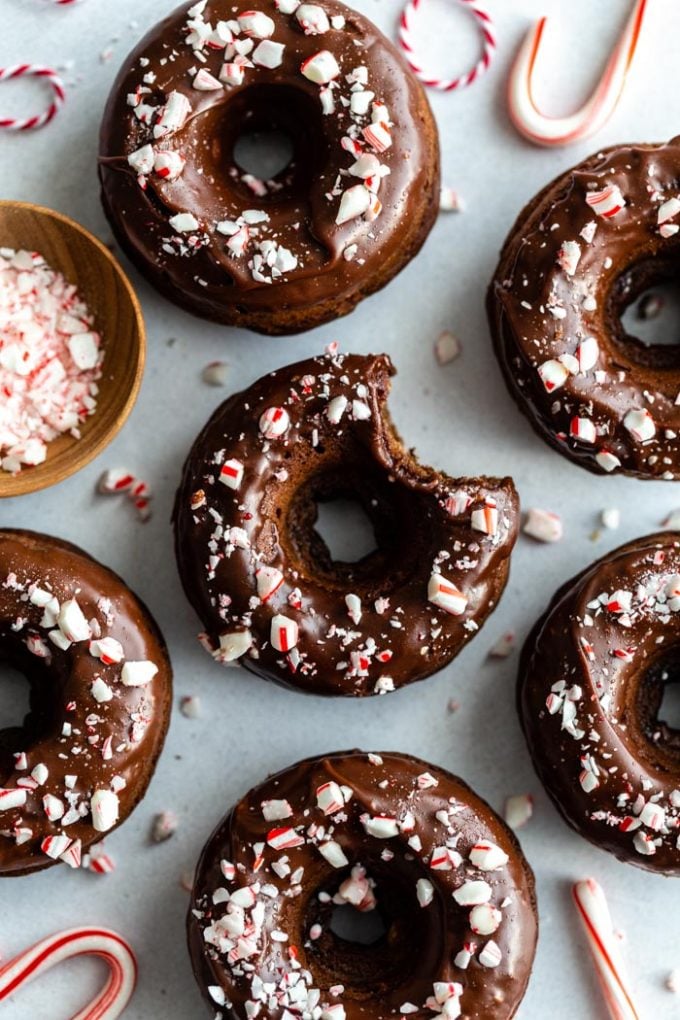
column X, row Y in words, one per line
column 84, row 262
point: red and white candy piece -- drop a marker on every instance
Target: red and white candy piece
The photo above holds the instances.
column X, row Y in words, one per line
column 284, row 633
column 117, row 481
column 113, row 999
column 485, row 25
column 47, row 75
column 274, row 422
column 543, row 525
column 320, row 68
column 607, row 202
column 231, row 473
column 446, row 596
column 544, row 130
column 596, row 919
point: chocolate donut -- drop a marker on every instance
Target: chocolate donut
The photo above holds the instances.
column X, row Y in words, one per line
column 386, row 833
column 262, row 580
column 582, row 251
column 591, row 683
column 279, row 256
column 101, row 691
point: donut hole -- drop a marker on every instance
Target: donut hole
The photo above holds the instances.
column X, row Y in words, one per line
column 398, row 518
column 26, row 705
column 375, row 950
column 264, row 154
column 658, row 707
column 346, row 530
column 265, row 138
column 363, row 928
column 644, row 306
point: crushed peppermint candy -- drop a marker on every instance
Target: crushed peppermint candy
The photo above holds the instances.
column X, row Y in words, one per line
column 543, row 525
column 50, row 359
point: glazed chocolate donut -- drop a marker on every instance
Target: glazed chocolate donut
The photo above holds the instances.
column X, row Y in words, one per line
column 101, row 691
column 279, row 256
column 385, row 833
column 262, row 580
column 591, row 683
column 582, row 251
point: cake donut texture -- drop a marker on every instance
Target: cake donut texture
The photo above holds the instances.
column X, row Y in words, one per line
column 281, row 255
column 262, row 580
column 582, row 251
column 591, row 685
column 385, row 833
column 101, row 690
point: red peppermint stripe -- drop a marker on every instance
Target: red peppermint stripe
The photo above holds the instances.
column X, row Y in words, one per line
column 34, row 71
column 116, row 993
column 486, row 30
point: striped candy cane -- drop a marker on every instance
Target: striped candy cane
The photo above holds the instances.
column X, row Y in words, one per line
column 33, row 71
column 116, row 993
column 544, row 130
column 594, row 913
column 485, row 25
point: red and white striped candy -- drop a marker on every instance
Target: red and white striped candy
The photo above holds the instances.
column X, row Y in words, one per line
column 113, row 999
column 596, row 919
column 34, row 71
column 485, row 519
column 320, row 68
column 284, row 839
column 640, row 424
column 268, row 580
column 274, row 422
column 607, row 202
column 582, row 429
column 256, row 24
column 485, row 25
column 329, row 798
column 231, row 474
column 544, row 130
column 446, row 596
column 284, row 633
column 543, row 525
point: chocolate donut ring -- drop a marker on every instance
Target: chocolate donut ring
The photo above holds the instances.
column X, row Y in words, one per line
column 385, row 833
column 591, row 684
column 101, row 692
column 262, row 580
column 352, row 208
column 582, row 251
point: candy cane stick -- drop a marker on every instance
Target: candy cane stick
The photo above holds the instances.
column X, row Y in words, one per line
column 33, row 71
column 594, row 913
column 485, row 25
column 544, row 130
column 116, row 993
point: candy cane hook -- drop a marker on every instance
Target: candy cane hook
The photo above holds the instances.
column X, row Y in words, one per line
column 486, row 30
column 594, row 913
column 34, row 71
column 544, row 130
column 116, row 993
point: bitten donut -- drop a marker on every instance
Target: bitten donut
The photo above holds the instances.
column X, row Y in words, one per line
column 580, row 253
column 101, row 691
column 591, row 684
column 281, row 255
column 262, row 580
column 385, row 833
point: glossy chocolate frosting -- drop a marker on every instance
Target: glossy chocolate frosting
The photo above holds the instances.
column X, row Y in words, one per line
column 602, row 398
column 251, row 562
column 94, row 725
column 336, row 264
column 384, row 832
column 591, row 684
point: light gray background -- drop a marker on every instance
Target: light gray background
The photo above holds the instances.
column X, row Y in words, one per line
column 459, row 418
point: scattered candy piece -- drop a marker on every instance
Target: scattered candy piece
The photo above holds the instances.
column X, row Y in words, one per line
column 446, row 348
column 611, row 518
column 504, row 646
column 518, row 810
column 190, row 706
column 116, row 481
column 596, row 919
column 216, row 373
column 163, row 827
column 450, row 200
column 543, row 525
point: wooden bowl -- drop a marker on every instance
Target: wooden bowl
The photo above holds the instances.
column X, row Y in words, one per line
column 86, row 262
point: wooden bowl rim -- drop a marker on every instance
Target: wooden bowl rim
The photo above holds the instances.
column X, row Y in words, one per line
column 34, row 479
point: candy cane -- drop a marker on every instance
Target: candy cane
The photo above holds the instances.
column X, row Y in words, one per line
column 594, row 913
column 544, row 130
column 116, row 993
column 485, row 25
column 33, row 71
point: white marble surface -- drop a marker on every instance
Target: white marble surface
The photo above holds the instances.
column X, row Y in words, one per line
column 459, row 417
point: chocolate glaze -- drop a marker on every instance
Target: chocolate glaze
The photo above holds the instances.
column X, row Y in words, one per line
column 207, row 279
column 610, row 667
column 422, row 521
column 538, row 312
column 67, row 729
column 433, row 810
